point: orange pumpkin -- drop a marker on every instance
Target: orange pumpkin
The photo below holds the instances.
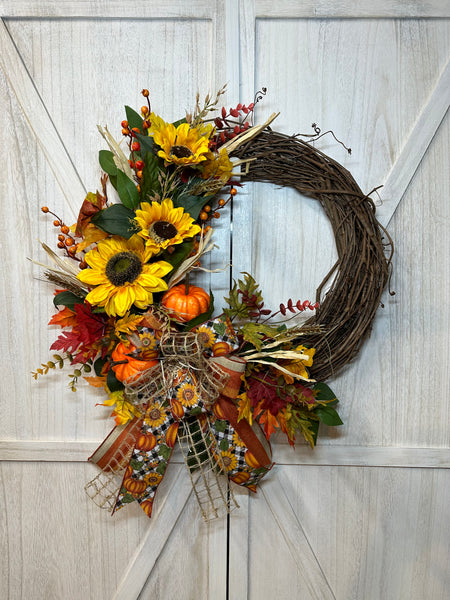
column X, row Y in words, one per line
column 177, row 409
column 135, row 486
column 241, row 477
column 221, row 349
column 146, row 442
column 251, row 460
column 185, row 302
column 133, row 365
column 147, row 506
column 171, row 435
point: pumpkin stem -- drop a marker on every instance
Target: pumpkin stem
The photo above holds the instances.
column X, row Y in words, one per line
column 186, row 285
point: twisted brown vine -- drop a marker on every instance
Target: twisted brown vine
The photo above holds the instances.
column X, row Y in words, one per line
column 356, row 281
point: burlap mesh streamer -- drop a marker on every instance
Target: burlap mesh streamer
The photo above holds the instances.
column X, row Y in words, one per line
column 205, row 466
column 103, row 489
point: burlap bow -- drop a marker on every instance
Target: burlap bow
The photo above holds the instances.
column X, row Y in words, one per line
column 189, row 390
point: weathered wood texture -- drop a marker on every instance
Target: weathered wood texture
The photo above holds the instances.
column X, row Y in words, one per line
column 366, row 515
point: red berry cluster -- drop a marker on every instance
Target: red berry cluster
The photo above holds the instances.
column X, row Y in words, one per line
column 298, row 306
column 255, row 308
column 227, row 127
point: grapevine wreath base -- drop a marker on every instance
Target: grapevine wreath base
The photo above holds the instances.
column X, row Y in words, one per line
column 135, row 326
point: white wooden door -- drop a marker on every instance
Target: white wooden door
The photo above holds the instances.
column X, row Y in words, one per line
column 364, row 516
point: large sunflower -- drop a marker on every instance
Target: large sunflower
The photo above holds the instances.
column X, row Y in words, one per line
column 182, row 145
column 122, row 276
column 163, row 225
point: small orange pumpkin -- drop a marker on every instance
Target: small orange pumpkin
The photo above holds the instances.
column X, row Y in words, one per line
column 171, row 435
column 185, row 302
column 146, row 442
column 133, row 365
column 221, row 349
column 135, row 486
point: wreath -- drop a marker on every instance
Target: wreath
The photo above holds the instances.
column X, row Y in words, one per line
column 135, row 325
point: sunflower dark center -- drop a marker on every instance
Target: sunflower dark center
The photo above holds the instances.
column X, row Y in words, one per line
column 123, row 267
column 180, row 152
column 161, row 231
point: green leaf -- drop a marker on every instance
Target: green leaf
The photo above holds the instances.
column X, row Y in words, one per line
column 136, row 465
column 146, row 142
column 117, row 220
column 165, row 451
column 114, row 385
column 255, row 333
column 150, row 183
column 203, row 317
column 220, row 425
column 314, row 428
column 191, row 204
column 134, row 119
column 106, row 160
column 127, row 190
column 220, row 328
column 180, row 253
column 127, row 498
column 179, row 122
column 98, row 366
column 224, row 445
column 196, row 410
column 328, row 415
column 68, row 299
column 323, row 392
column 161, row 468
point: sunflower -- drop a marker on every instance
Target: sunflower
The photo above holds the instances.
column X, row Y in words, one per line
column 155, row 416
column 182, row 145
column 163, row 225
column 219, row 166
column 229, row 460
column 122, row 275
column 187, row 395
column 152, row 479
column 206, row 336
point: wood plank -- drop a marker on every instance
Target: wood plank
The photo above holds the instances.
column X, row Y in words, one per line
column 293, row 533
column 416, row 145
column 337, row 455
column 40, row 121
column 348, row 9
column 195, row 9
column 163, row 521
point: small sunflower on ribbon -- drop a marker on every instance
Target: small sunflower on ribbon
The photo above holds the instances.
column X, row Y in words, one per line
column 134, row 325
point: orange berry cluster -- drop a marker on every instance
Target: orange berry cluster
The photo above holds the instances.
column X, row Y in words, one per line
column 65, row 240
column 207, row 214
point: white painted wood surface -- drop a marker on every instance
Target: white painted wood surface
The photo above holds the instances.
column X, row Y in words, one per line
column 364, row 516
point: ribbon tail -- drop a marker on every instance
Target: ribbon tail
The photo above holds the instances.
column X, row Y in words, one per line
column 148, row 463
column 257, row 444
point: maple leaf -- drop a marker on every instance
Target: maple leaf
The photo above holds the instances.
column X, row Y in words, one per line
column 64, row 318
column 269, row 421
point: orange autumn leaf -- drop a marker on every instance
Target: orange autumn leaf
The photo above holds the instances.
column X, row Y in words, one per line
column 270, row 423
column 64, row 318
column 95, row 381
column 91, row 234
